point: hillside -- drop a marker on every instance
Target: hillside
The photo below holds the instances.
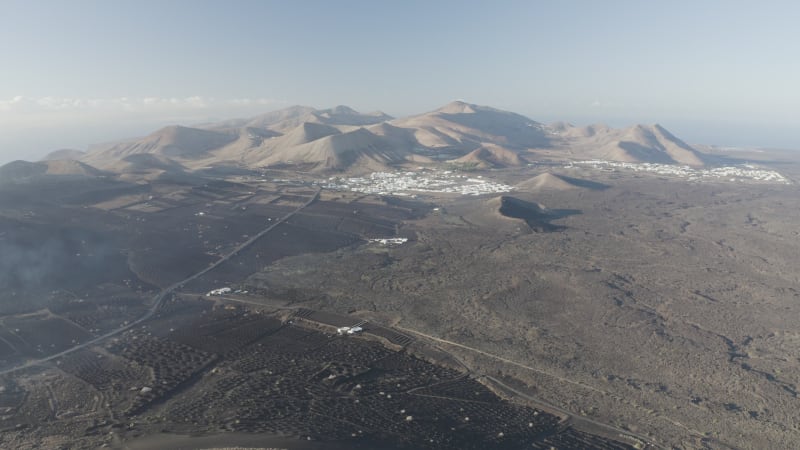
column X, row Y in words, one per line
column 175, row 142
column 285, row 120
column 491, row 156
column 464, row 127
column 308, row 132
column 358, row 149
column 557, row 182
column 65, row 153
column 23, row 171
column 535, row 215
column 343, row 139
column 637, row 144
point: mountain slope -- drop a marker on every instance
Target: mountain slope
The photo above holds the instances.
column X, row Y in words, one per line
column 358, row 149
column 308, row 132
column 65, row 153
column 465, row 127
column 341, row 138
column 653, row 144
column 639, row 144
column 535, row 215
column 287, row 119
column 492, row 156
column 344, row 115
column 556, row 182
column 175, row 142
column 20, row 171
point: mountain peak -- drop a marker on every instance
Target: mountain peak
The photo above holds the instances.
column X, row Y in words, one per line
column 458, row 107
column 458, row 131
column 342, row 109
column 24, row 170
column 64, row 153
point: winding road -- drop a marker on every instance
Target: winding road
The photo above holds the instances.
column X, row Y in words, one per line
column 159, row 298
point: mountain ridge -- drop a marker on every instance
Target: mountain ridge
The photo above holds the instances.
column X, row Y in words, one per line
column 343, row 139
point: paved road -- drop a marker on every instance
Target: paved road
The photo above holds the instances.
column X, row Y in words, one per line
column 505, row 360
column 262, row 304
column 159, row 298
column 572, row 417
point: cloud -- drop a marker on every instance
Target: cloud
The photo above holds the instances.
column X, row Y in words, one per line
column 20, row 113
column 20, row 110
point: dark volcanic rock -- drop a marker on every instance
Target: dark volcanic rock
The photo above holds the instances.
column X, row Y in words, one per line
column 536, row 216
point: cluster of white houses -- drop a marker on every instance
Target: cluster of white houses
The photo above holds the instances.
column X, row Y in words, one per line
column 743, row 173
column 407, row 183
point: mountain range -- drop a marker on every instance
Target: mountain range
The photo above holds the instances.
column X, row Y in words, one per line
column 341, row 139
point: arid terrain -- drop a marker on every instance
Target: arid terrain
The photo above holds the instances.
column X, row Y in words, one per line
column 663, row 306
column 518, row 285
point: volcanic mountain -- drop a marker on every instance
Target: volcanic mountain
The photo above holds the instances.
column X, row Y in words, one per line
column 148, row 166
column 535, row 215
column 356, row 150
column 64, row 153
column 279, row 137
column 342, row 139
column 557, row 182
column 639, row 144
column 175, row 142
column 462, row 127
column 308, row 132
column 24, row 171
column 492, row 156
column 285, row 120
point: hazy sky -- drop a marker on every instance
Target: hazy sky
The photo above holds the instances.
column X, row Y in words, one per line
column 77, row 72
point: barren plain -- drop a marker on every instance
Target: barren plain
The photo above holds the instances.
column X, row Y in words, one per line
column 168, row 345
column 552, row 304
column 660, row 306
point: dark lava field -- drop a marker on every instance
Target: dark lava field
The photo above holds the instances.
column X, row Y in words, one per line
column 631, row 310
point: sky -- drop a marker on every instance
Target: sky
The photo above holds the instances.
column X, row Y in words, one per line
column 78, row 72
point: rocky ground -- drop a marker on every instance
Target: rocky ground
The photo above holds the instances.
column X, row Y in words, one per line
column 663, row 307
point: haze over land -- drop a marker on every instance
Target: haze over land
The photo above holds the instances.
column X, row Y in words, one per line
column 709, row 71
column 399, row 225
column 341, row 139
column 516, row 284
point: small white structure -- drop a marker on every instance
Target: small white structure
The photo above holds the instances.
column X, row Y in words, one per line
column 351, row 330
column 389, row 241
column 220, row 291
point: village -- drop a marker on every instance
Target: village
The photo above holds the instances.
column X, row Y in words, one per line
column 744, row 173
column 404, row 183
column 408, row 183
